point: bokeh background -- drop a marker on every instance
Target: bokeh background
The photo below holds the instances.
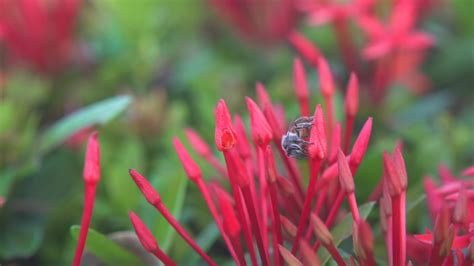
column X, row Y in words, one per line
column 142, row 71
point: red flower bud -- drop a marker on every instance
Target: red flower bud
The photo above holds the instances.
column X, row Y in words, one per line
column 345, row 175
column 230, row 222
column 326, row 79
column 271, row 167
column 145, row 187
column 92, row 162
column 190, row 166
column 360, row 145
column 318, row 147
column 242, row 142
column 351, row 102
column 321, row 231
column 301, row 86
column 262, row 95
column 261, row 130
column 201, row 147
column 304, row 47
column 225, row 136
column 143, row 233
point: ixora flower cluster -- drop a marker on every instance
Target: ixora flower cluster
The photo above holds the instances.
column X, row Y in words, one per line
column 262, row 208
column 391, row 53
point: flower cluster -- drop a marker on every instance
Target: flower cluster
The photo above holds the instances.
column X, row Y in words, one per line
column 37, row 32
column 270, row 214
column 392, row 52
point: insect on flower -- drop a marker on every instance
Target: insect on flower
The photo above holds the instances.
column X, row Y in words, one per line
column 294, row 141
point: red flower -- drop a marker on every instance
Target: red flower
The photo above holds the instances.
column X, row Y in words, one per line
column 38, row 32
column 260, row 21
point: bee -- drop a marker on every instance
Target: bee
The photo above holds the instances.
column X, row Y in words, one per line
column 294, row 142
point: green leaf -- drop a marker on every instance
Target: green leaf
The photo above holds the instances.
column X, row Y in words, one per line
column 105, row 249
column 97, row 113
column 344, row 229
column 20, row 235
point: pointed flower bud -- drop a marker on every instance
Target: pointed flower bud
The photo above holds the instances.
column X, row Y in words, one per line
column 321, row 231
column 326, row 79
column 262, row 95
column 351, row 102
column 288, row 226
column 143, row 233
column 309, row 256
column 394, row 167
column 91, row 171
column 289, row 259
column 361, row 144
column 272, row 120
column 345, row 175
column 145, row 187
column 243, row 145
column 190, row 166
column 363, row 240
column 261, row 130
column 305, row 48
column 301, row 86
column 224, row 134
column 230, row 222
column 318, row 147
column 201, row 147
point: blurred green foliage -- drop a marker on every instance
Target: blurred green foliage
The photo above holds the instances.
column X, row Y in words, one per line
column 175, row 60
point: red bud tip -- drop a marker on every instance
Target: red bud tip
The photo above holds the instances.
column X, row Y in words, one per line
column 301, row 86
column 92, row 162
column 345, row 175
column 361, row 144
column 273, row 122
column 305, row 48
column 468, row 171
column 318, row 148
column 242, row 142
column 271, row 167
column 190, row 166
column 261, row 130
column 145, row 187
column 393, row 180
column 288, row 226
column 363, row 239
column 225, row 136
column 262, row 95
column 201, row 147
column 309, row 256
column 288, row 257
column 321, row 231
column 335, row 142
column 400, row 166
column 326, row 79
column 352, row 96
column 143, row 233
column 230, row 222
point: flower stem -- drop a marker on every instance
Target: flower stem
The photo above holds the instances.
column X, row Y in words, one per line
column 276, row 224
column 89, row 199
column 307, row 204
column 163, row 257
column 255, row 224
column 172, row 221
